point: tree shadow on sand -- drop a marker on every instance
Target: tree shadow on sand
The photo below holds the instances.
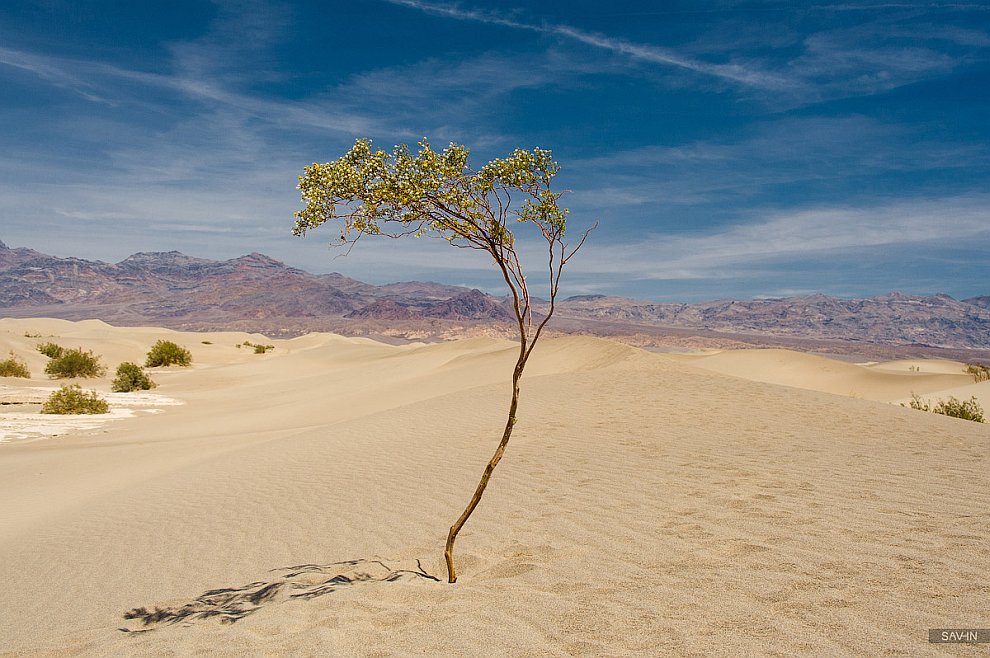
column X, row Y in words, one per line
column 304, row 581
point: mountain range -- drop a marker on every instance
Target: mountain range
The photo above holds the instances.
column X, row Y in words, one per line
column 258, row 293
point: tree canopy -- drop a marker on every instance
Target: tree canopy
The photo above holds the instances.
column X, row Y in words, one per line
column 374, row 192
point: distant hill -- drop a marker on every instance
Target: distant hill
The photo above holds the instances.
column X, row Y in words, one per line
column 893, row 318
column 258, row 293
column 180, row 291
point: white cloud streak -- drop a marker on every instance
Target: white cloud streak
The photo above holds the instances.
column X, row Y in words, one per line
column 736, row 73
column 854, row 61
column 797, row 237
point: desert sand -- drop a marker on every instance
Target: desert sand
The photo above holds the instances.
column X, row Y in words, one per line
column 753, row 502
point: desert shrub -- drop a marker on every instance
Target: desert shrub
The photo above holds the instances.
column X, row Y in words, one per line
column 980, row 372
column 206, row 342
column 73, row 400
column 261, row 349
column 130, row 377
column 966, row 409
column 74, row 363
column 51, row 350
column 167, row 353
column 14, row 367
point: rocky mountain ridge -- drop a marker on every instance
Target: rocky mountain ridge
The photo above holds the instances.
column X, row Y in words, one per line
column 894, row 317
column 258, row 293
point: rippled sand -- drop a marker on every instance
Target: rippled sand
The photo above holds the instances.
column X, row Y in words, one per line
column 740, row 503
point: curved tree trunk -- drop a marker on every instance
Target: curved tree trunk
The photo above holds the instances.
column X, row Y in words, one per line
column 492, row 463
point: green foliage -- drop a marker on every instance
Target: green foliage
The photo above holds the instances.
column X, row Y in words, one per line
column 432, row 192
column 980, row 372
column 130, row 377
column 73, row 400
column 14, row 367
column 74, row 363
column 167, row 353
column 51, row 350
column 28, row 334
column 966, row 409
column 258, row 348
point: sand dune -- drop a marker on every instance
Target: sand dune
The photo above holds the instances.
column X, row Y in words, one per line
column 888, row 381
column 648, row 505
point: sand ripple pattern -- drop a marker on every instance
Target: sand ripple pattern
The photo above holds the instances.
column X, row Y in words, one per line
column 645, row 507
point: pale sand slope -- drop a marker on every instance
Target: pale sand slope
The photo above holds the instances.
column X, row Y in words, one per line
column 890, row 381
column 644, row 507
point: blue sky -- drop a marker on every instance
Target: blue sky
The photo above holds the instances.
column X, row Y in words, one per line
column 727, row 149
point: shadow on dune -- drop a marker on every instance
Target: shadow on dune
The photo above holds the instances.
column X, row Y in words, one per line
column 304, row 581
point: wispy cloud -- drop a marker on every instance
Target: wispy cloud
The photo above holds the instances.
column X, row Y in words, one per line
column 768, row 161
column 51, row 71
column 832, row 63
column 195, row 144
column 797, row 237
column 737, row 73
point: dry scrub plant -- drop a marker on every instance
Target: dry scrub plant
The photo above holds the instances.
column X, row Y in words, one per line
column 966, row 409
column 437, row 194
column 73, row 400
column 980, row 372
column 167, row 353
column 51, row 350
column 131, row 377
column 14, row 367
column 74, row 363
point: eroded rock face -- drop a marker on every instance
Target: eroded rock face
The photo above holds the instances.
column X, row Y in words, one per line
column 472, row 305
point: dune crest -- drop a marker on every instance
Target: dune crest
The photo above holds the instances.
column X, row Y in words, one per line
column 886, row 382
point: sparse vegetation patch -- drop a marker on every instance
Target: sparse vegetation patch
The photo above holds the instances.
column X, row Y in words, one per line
column 131, row 377
column 980, row 372
column 74, row 363
column 966, row 409
column 72, row 399
column 167, row 353
column 51, row 350
column 258, row 348
column 14, row 367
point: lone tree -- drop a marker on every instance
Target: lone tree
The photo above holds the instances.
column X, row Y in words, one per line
column 432, row 193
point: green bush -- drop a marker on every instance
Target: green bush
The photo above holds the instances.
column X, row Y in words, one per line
column 74, row 363
column 14, row 367
column 73, row 400
column 51, row 350
column 130, row 377
column 966, row 409
column 167, row 353
column 258, row 347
